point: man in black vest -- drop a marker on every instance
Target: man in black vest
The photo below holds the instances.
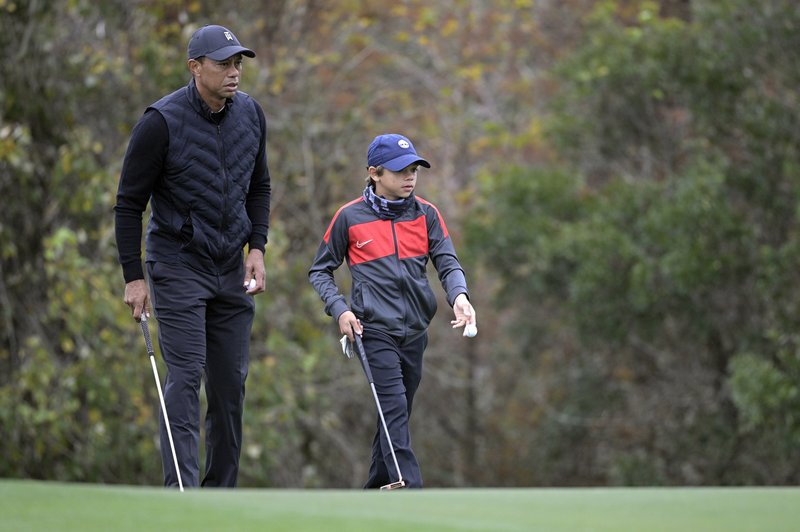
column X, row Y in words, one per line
column 198, row 156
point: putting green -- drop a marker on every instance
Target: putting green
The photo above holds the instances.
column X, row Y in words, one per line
column 32, row 505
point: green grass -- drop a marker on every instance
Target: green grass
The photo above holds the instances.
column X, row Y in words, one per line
column 51, row 506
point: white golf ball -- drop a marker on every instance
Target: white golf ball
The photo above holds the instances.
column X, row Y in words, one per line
column 470, row 330
column 252, row 284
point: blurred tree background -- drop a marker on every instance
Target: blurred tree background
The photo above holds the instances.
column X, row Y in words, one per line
column 621, row 178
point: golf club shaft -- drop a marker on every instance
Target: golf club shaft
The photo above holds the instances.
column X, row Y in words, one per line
column 149, row 344
column 362, row 353
column 386, row 431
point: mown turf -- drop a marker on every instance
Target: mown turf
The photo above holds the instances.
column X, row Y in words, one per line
column 52, row 506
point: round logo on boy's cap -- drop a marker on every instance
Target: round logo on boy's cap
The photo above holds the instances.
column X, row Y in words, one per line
column 394, row 152
column 217, row 43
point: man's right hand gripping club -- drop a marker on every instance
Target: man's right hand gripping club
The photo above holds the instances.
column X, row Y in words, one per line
column 137, row 297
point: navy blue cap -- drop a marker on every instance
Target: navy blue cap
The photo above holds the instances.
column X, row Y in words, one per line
column 217, row 43
column 393, row 152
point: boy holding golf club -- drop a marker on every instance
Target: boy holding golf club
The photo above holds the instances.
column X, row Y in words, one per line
column 387, row 236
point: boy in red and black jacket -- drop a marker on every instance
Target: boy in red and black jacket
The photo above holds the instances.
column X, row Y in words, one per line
column 387, row 237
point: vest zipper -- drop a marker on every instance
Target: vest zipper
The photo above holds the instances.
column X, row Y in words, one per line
column 224, row 221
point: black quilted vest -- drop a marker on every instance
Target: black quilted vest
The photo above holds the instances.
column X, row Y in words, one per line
column 198, row 205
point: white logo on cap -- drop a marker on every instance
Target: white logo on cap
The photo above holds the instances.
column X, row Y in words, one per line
column 403, row 143
column 228, row 36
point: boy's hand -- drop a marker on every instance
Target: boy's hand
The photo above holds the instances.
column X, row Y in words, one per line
column 465, row 314
column 347, row 323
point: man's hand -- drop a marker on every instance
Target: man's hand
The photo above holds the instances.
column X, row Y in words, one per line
column 347, row 323
column 138, row 298
column 254, row 270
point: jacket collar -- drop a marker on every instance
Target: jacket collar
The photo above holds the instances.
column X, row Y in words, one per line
column 199, row 104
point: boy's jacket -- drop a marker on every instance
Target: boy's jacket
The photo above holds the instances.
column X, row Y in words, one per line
column 388, row 260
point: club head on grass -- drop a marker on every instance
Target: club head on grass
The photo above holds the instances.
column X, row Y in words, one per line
column 394, row 486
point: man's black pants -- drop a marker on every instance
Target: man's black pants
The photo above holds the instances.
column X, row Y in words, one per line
column 204, row 322
column 397, row 369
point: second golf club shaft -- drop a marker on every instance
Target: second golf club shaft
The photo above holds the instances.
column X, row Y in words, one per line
column 362, row 353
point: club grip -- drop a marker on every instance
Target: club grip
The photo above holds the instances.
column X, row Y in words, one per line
column 146, row 333
column 362, row 354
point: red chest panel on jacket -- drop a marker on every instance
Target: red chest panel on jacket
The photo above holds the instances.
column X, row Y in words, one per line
column 370, row 241
column 412, row 238
column 374, row 240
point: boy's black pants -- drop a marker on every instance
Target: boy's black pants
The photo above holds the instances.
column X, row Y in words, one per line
column 397, row 369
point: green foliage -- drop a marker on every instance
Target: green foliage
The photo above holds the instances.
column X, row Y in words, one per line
column 622, row 108
column 678, row 252
column 75, row 400
column 522, row 223
column 766, row 393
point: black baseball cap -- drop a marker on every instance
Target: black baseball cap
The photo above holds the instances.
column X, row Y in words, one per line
column 217, row 43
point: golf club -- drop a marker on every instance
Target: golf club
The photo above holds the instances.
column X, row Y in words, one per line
column 362, row 354
column 149, row 344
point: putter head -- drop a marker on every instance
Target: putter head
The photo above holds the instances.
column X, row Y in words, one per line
column 400, row 484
